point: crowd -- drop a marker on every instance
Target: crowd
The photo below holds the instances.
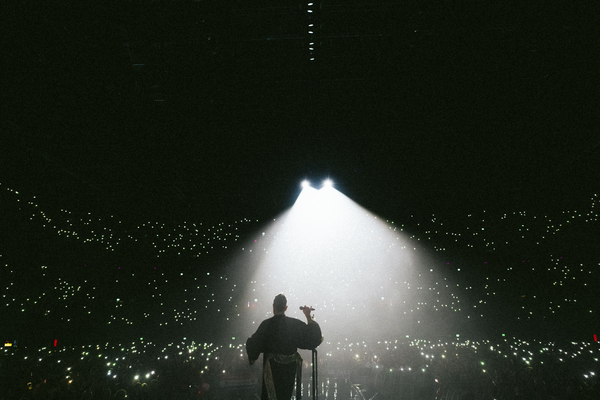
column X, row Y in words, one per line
column 480, row 280
column 415, row 369
column 69, row 375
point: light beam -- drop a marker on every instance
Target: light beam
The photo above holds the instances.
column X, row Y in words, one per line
column 363, row 276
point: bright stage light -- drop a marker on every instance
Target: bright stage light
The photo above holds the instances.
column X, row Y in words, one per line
column 327, row 183
column 305, row 184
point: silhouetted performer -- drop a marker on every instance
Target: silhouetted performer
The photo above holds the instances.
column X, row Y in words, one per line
column 279, row 339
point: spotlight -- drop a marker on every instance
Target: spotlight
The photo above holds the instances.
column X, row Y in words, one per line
column 305, row 184
column 327, row 183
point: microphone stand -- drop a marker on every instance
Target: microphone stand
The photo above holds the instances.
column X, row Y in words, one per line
column 315, row 384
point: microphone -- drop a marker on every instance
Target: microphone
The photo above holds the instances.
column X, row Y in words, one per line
column 310, row 308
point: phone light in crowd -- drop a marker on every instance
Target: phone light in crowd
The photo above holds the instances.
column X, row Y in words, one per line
column 55, row 342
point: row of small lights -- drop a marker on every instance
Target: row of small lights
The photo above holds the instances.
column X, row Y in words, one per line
column 311, row 26
column 200, row 239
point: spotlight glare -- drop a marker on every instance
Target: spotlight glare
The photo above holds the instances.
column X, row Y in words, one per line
column 305, row 184
column 327, row 183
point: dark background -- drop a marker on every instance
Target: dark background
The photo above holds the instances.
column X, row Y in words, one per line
column 208, row 109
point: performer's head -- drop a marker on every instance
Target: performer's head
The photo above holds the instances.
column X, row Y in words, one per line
column 279, row 304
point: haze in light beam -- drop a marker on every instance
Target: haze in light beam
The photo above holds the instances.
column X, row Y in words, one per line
column 358, row 272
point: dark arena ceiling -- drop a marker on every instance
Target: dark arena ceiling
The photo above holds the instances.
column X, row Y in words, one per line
column 217, row 109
